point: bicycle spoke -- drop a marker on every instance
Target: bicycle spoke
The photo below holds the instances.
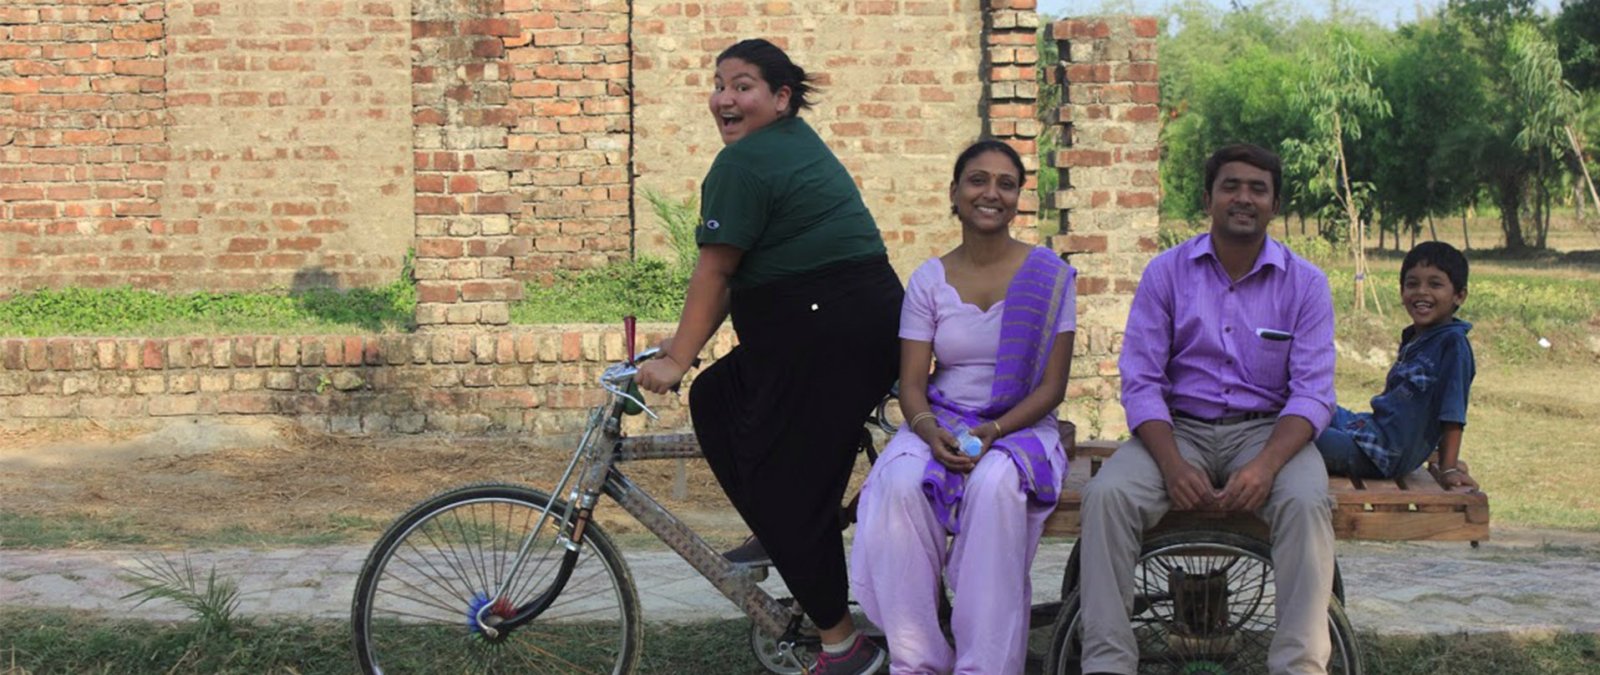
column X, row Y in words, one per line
column 420, row 592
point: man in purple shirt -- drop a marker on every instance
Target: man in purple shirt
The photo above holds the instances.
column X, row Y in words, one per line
column 1227, row 376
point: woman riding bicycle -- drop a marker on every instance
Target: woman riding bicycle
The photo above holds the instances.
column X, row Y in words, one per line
column 789, row 250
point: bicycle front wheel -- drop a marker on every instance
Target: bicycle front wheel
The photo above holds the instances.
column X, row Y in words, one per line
column 443, row 591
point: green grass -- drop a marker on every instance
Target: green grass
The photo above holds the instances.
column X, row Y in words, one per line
column 1534, row 417
column 130, row 311
column 40, row 642
column 648, row 288
column 137, row 312
column 21, row 531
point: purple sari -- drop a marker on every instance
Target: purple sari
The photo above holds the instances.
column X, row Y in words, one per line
column 1027, row 333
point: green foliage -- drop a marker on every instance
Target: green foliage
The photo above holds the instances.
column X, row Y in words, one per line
column 1577, row 34
column 1223, row 80
column 1048, row 141
column 679, row 219
column 1422, row 155
column 131, row 311
column 647, row 288
column 1337, row 98
column 1172, row 233
column 212, row 603
column 1459, row 103
column 1509, row 310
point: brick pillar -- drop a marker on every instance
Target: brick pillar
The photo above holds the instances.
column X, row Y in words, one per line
column 464, row 201
column 1011, row 93
column 1110, row 192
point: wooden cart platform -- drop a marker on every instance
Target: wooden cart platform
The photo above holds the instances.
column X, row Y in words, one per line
column 1416, row 507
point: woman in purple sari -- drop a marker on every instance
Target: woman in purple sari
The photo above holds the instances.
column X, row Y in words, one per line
column 997, row 317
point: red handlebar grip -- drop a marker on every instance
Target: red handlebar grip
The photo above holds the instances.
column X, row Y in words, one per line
column 629, row 325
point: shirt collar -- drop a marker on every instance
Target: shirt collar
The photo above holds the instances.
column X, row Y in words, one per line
column 1272, row 253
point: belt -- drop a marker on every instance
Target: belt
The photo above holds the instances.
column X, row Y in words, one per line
column 1224, row 421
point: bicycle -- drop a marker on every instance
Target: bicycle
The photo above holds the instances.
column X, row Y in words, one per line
column 502, row 578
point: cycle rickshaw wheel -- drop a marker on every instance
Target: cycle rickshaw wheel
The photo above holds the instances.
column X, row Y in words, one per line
column 1204, row 604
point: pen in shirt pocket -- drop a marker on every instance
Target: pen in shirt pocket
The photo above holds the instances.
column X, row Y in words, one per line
column 1274, row 335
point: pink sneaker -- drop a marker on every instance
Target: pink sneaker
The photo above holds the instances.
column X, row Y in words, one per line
column 864, row 657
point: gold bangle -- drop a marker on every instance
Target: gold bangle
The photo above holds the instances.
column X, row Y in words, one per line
column 917, row 419
column 998, row 431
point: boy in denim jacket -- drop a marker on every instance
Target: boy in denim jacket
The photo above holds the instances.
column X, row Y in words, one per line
column 1423, row 406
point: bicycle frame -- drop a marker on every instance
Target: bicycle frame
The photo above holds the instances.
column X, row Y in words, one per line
column 593, row 472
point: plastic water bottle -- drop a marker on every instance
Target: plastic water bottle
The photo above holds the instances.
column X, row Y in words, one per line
column 969, row 444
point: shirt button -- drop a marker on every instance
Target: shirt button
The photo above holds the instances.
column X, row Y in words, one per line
column 1227, row 329
column 1230, row 362
column 1227, row 391
column 813, row 306
column 1230, row 289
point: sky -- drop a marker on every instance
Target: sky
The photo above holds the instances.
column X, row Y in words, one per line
column 1386, row 12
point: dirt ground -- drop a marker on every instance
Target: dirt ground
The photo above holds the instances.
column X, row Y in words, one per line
column 196, row 483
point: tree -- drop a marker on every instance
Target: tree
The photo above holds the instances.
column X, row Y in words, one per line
column 1421, row 155
column 1223, row 75
column 1548, row 106
column 1502, row 167
column 1336, row 98
column 1577, row 34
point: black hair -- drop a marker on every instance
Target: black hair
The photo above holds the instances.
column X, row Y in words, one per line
column 1441, row 256
column 776, row 69
column 984, row 145
column 1254, row 155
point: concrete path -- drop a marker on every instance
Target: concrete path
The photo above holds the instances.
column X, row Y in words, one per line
column 1521, row 582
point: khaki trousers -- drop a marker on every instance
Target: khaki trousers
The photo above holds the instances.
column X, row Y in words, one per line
column 1129, row 496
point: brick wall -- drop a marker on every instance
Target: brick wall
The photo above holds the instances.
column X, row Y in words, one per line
column 83, row 144
column 1109, row 194
column 213, row 144
column 289, row 133
column 900, row 85
column 535, row 380
column 190, row 145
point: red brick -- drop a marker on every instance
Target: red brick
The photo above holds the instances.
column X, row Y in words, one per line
column 1133, row 200
column 153, row 354
column 430, row 206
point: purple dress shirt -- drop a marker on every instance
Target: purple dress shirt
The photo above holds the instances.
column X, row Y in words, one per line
column 1211, row 347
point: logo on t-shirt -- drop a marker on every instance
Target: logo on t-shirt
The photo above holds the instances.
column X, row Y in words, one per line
column 712, row 224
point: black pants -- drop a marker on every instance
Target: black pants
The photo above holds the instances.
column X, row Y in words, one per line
column 778, row 418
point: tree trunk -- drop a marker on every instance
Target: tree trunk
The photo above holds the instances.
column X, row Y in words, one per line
column 1432, row 233
column 1508, row 196
column 1466, row 239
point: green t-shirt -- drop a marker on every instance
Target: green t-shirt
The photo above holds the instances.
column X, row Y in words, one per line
column 782, row 197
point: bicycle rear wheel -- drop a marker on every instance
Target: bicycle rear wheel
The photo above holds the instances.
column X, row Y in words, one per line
column 452, row 559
